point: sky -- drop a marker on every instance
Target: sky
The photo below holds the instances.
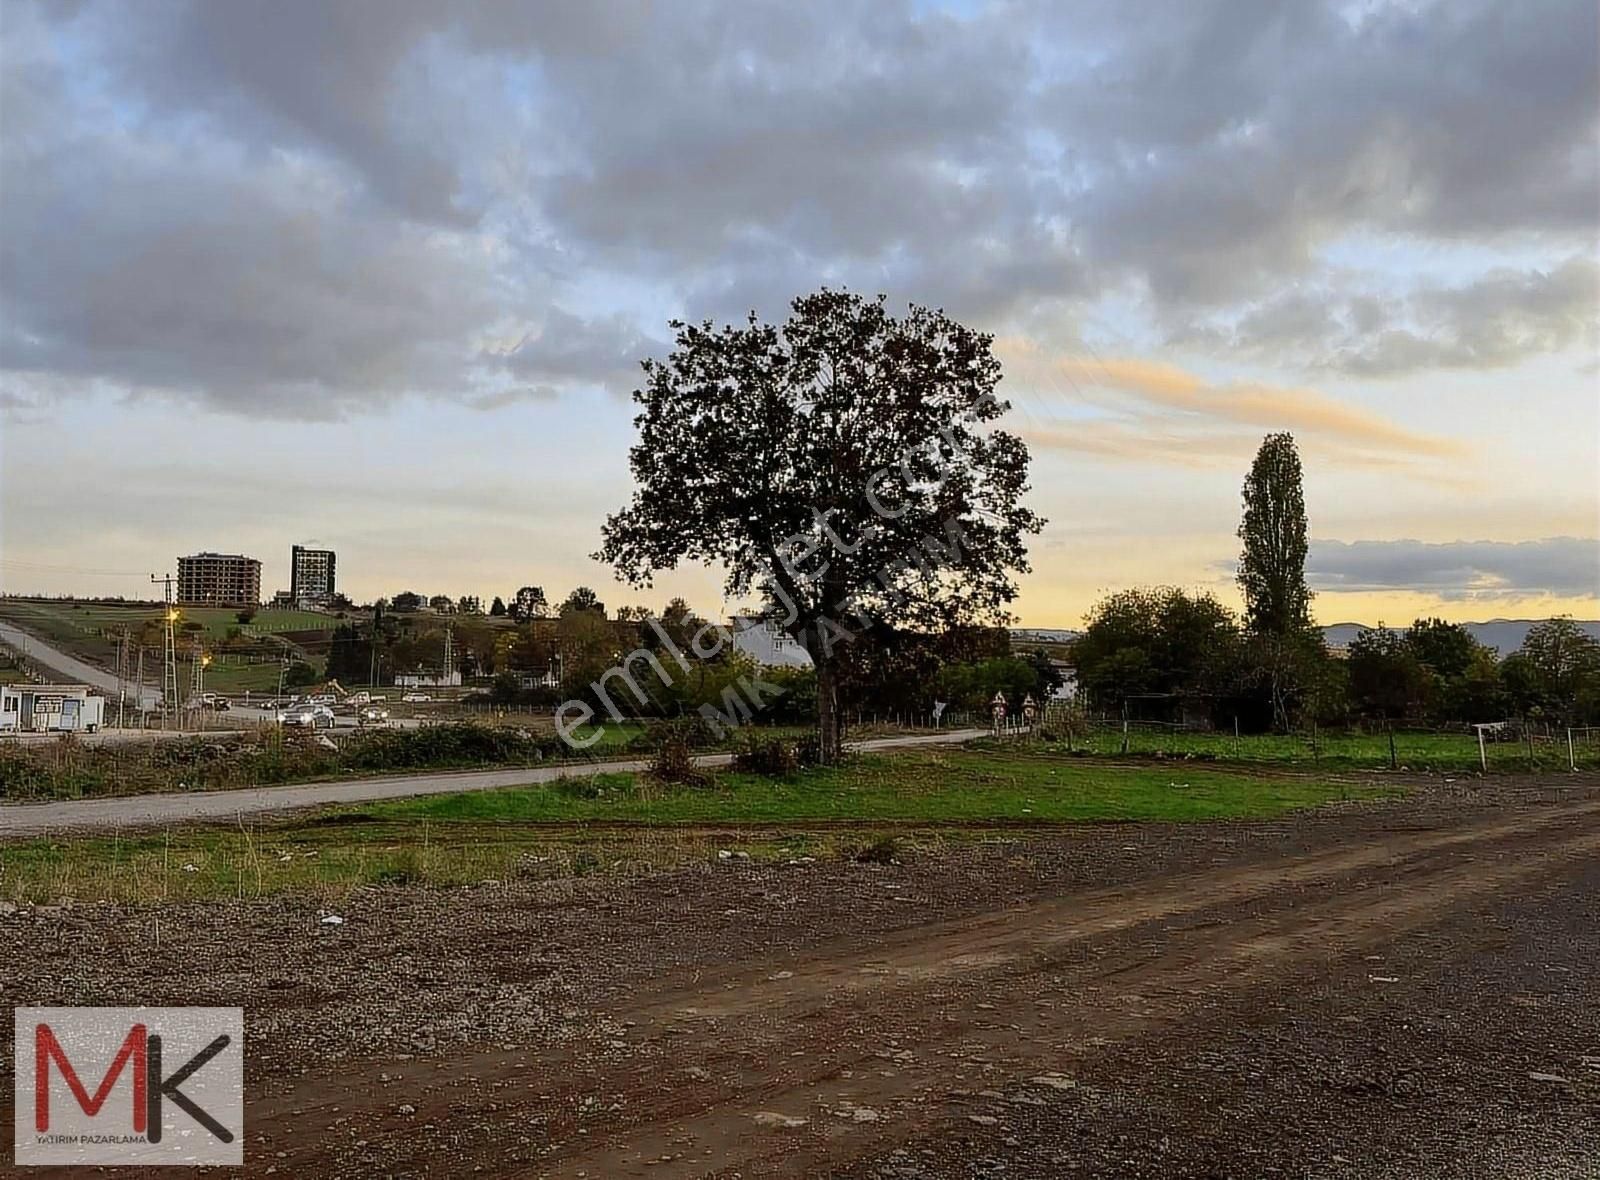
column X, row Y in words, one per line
column 378, row 275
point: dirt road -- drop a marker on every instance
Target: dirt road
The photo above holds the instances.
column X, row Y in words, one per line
column 1385, row 991
column 153, row 811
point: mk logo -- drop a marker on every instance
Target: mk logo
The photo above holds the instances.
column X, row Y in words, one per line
column 149, row 1088
column 141, row 1109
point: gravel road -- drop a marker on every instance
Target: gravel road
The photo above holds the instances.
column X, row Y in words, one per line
column 145, row 811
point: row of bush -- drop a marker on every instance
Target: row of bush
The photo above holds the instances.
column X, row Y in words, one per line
column 70, row 769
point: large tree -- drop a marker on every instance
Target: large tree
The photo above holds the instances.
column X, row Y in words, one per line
column 1272, row 576
column 1565, row 663
column 529, row 603
column 1272, row 567
column 1387, row 680
column 1157, row 640
column 840, row 464
column 1446, row 649
column 583, row 599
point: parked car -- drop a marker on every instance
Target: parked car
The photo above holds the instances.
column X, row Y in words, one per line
column 321, row 698
column 412, row 698
column 307, row 716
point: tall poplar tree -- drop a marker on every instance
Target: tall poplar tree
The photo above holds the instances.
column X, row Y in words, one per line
column 1272, row 571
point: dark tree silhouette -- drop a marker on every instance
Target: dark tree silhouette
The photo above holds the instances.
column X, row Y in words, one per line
column 824, row 462
column 1272, row 568
column 1272, row 575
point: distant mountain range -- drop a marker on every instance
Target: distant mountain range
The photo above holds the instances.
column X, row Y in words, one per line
column 1043, row 635
column 1503, row 635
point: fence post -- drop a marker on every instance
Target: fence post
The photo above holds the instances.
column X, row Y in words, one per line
column 1572, row 758
column 1528, row 732
column 1394, row 763
column 1483, row 757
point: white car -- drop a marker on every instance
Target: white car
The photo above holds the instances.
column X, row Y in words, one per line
column 372, row 715
column 412, row 698
column 307, row 716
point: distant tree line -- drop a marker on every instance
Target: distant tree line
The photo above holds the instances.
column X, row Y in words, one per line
column 1167, row 654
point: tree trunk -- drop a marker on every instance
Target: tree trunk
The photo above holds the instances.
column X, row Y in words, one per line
column 827, row 712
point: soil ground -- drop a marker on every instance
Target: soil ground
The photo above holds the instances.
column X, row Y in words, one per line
column 1397, row 989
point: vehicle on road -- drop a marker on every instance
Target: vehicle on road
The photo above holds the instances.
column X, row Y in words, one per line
column 413, row 698
column 372, row 715
column 307, row 716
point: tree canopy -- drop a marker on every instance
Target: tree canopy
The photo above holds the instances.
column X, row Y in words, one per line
column 1272, row 567
column 583, row 599
column 1158, row 640
column 841, row 464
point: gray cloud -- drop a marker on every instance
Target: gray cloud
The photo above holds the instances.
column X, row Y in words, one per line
column 309, row 209
column 1242, row 137
column 1494, row 321
column 1559, row 566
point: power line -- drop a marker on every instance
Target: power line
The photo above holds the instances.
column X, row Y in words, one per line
column 42, row 567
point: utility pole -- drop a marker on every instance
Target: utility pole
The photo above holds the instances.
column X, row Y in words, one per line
column 122, row 676
column 198, row 700
column 169, row 654
column 138, row 681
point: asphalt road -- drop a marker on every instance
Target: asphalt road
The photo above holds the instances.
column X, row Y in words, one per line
column 75, row 670
column 144, row 811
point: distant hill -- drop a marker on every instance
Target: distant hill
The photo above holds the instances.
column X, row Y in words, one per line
column 1504, row 635
column 1043, row 635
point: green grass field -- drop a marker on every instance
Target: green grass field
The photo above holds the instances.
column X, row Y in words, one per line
column 72, row 621
column 1437, row 752
column 968, row 786
column 470, row 837
column 88, row 630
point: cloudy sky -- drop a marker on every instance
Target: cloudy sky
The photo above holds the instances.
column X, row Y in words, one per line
column 379, row 274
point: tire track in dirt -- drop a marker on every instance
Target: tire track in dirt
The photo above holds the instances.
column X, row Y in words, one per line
column 1110, row 1005
column 889, row 1030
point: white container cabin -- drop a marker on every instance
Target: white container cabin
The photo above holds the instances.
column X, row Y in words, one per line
column 50, row 708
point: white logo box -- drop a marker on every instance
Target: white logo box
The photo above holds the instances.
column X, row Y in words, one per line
column 137, row 1085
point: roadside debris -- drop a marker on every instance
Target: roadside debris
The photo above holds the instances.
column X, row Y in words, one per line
column 771, row 1118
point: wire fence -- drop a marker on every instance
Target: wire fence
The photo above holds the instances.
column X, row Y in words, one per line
column 1506, row 746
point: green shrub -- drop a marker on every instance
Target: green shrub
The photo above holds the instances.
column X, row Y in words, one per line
column 673, row 762
column 456, row 744
column 809, row 750
column 769, row 756
column 882, row 851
